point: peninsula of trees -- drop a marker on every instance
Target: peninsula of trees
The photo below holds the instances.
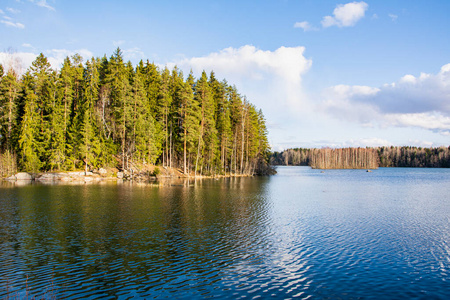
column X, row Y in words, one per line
column 109, row 113
column 364, row 158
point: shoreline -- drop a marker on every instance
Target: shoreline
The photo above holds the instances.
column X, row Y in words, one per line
column 81, row 177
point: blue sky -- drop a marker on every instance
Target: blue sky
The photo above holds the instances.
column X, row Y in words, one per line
column 325, row 73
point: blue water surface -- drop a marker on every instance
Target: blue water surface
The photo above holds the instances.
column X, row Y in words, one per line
column 303, row 233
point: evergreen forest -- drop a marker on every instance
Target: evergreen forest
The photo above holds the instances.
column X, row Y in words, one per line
column 105, row 112
column 364, row 158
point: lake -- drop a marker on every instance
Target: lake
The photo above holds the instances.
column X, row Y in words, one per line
column 303, row 233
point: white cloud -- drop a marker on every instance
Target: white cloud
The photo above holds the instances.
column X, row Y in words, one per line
column 366, row 142
column 133, row 54
column 118, row 43
column 357, row 142
column 13, row 10
column 339, row 102
column 16, row 61
column 271, row 80
column 305, row 26
column 372, row 142
column 345, row 15
column 435, row 121
column 422, row 102
column 26, row 45
column 393, row 17
column 10, row 23
column 42, row 3
column 56, row 56
column 360, row 142
column 23, row 60
column 425, row 93
column 250, row 62
column 424, row 144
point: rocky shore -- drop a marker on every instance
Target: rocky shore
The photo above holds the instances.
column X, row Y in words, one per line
column 104, row 175
column 82, row 176
column 77, row 176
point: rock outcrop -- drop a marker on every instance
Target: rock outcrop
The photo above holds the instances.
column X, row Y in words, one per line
column 21, row 176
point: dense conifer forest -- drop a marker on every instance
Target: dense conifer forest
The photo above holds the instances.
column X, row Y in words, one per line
column 109, row 113
column 364, row 158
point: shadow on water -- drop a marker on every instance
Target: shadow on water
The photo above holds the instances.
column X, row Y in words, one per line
column 340, row 234
column 107, row 240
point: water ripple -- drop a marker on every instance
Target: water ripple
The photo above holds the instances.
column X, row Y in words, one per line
column 339, row 236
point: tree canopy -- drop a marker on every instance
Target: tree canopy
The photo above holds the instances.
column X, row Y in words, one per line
column 106, row 112
column 365, row 158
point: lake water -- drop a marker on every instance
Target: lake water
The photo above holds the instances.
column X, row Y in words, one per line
column 341, row 234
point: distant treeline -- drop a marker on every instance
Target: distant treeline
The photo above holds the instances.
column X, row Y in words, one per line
column 107, row 112
column 364, row 158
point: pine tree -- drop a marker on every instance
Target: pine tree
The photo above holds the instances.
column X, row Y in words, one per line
column 57, row 155
column 9, row 95
column 77, row 79
column 207, row 145
column 164, row 105
column 143, row 128
column 29, row 147
column 253, row 139
column 91, row 142
column 117, row 79
column 152, row 86
column 222, row 117
column 66, row 94
column 237, row 113
column 94, row 115
column 264, row 146
column 189, row 115
column 41, row 83
column 152, row 83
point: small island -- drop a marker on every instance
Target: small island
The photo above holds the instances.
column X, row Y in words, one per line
column 364, row 158
column 106, row 114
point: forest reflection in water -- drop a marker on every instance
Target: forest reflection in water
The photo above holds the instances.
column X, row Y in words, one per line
column 301, row 233
column 116, row 237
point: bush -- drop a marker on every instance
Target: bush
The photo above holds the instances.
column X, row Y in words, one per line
column 156, row 171
column 8, row 164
